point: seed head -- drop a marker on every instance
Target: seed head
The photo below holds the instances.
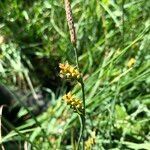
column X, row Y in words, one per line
column 68, row 71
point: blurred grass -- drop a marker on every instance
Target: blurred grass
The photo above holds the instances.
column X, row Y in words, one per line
column 35, row 39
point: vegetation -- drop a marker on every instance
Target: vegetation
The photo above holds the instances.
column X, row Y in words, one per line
column 113, row 51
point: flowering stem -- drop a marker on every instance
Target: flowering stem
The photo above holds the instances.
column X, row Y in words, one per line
column 76, row 57
column 74, row 42
column 83, row 97
column 81, row 130
column 83, row 116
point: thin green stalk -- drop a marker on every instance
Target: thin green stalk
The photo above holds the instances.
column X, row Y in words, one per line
column 81, row 131
column 123, row 22
column 83, row 97
column 76, row 57
column 84, row 108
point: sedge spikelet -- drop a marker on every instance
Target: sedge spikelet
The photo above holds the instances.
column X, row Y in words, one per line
column 68, row 71
column 73, row 102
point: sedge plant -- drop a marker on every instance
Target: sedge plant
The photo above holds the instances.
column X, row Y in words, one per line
column 115, row 54
column 68, row 71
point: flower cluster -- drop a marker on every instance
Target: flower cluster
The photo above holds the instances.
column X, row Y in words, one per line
column 74, row 103
column 68, row 71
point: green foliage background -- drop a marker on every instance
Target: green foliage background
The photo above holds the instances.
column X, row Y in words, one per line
column 109, row 33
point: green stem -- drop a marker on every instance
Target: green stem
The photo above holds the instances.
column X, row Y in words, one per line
column 81, row 132
column 76, row 57
column 83, row 97
column 83, row 116
column 123, row 22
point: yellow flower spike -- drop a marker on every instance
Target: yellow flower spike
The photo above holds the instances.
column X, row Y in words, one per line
column 74, row 103
column 68, row 71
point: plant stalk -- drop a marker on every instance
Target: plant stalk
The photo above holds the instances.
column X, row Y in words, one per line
column 83, row 98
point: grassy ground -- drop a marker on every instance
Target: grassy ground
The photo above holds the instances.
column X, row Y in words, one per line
column 114, row 50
